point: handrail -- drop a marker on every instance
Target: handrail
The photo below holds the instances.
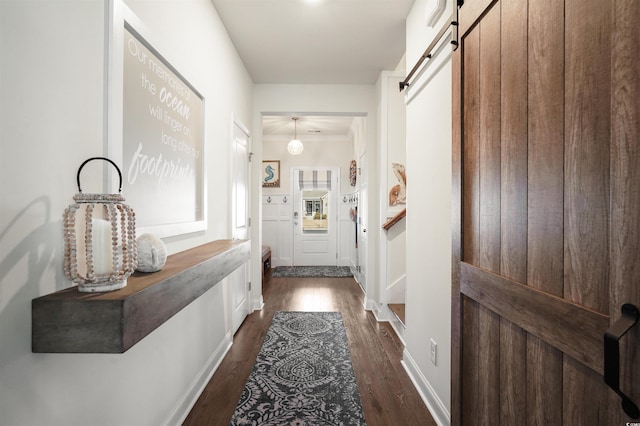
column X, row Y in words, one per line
column 389, row 223
column 427, row 53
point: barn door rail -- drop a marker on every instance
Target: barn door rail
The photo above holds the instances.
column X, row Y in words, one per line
column 452, row 21
column 612, row 338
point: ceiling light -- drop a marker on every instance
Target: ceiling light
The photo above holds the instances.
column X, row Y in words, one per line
column 295, row 146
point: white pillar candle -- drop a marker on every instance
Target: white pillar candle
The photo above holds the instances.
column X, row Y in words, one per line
column 101, row 244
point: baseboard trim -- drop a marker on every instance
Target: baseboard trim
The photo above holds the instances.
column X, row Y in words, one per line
column 434, row 404
column 258, row 303
column 182, row 410
column 399, row 328
column 377, row 310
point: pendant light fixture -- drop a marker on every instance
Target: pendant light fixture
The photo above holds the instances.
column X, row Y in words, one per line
column 295, row 146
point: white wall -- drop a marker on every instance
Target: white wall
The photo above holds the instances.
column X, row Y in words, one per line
column 318, row 151
column 428, row 312
column 312, row 99
column 51, row 107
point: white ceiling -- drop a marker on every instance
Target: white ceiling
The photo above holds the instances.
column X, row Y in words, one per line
column 315, row 42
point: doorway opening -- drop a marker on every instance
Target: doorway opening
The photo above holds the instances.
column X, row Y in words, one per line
column 331, row 141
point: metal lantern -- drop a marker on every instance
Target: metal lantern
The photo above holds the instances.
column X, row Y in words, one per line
column 99, row 239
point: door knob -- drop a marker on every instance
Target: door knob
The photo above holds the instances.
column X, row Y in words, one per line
column 612, row 338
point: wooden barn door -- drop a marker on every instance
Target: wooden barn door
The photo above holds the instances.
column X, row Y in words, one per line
column 547, row 209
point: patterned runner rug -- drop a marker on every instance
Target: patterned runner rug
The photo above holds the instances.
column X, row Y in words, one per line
column 312, row 271
column 302, row 376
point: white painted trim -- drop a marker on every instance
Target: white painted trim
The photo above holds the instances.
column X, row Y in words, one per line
column 398, row 327
column 376, row 312
column 380, row 311
column 396, row 292
column 184, row 406
column 113, row 84
column 433, row 11
column 258, row 303
column 386, row 315
column 369, row 304
column 235, row 121
column 437, row 409
column 400, row 281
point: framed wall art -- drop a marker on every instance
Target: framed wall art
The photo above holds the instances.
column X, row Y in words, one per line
column 271, row 174
column 161, row 123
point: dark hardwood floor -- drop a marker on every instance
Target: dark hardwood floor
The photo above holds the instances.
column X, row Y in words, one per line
column 388, row 396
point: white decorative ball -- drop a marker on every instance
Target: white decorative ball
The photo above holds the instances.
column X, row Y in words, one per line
column 152, row 253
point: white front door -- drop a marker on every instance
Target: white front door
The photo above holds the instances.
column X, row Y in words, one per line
column 315, row 219
column 239, row 279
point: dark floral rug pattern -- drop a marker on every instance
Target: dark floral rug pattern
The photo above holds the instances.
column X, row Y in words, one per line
column 302, row 376
column 312, row 271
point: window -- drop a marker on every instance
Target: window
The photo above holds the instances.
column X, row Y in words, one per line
column 316, row 207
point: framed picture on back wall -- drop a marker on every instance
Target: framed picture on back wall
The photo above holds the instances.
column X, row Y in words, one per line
column 271, row 174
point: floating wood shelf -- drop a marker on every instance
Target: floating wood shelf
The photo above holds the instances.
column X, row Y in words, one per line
column 389, row 223
column 68, row 321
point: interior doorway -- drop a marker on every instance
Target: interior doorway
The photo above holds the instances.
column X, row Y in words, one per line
column 330, row 141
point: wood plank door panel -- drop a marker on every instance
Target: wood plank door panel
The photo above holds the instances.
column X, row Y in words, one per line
column 546, row 209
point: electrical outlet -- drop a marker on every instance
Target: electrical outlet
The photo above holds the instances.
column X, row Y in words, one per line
column 434, row 352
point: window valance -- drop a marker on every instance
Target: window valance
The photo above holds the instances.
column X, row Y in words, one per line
column 314, row 179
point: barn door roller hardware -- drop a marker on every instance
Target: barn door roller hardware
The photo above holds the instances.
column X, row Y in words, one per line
column 452, row 21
